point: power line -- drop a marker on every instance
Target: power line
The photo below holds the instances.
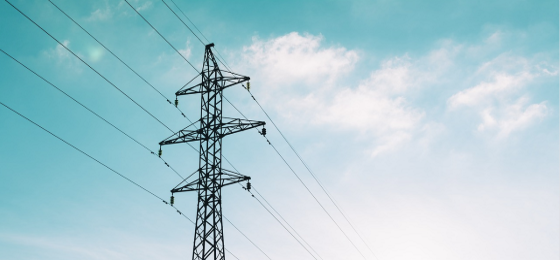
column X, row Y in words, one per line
column 282, row 224
column 124, row 63
column 220, row 55
column 91, row 111
column 285, row 139
column 290, row 145
column 303, row 183
column 100, row 73
column 106, row 121
column 247, row 238
column 271, row 205
column 132, row 69
column 297, row 154
column 280, row 215
column 103, row 78
column 97, row 72
column 183, row 22
column 106, row 166
column 180, row 213
column 313, row 175
column 158, row 90
column 84, row 153
column 313, row 195
column 159, row 34
column 190, row 21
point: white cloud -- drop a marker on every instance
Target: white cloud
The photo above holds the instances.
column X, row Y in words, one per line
column 500, row 96
column 295, row 58
column 113, row 245
column 122, row 5
column 512, row 117
column 59, row 52
column 145, row 6
column 310, row 84
column 100, row 15
column 64, row 58
column 500, row 85
column 376, row 108
column 186, row 52
column 310, row 77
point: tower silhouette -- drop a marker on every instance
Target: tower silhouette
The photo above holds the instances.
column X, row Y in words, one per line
column 209, row 236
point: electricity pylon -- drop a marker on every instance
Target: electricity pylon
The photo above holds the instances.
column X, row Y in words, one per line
column 208, row 235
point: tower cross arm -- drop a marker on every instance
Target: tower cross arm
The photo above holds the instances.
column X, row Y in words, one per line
column 230, row 126
column 235, row 125
column 183, row 136
column 224, row 81
column 227, row 178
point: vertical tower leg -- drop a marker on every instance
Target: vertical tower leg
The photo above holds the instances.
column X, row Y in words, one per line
column 208, row 241
column 209, row 238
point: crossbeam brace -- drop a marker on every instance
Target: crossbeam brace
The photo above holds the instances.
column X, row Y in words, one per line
column 230, row 126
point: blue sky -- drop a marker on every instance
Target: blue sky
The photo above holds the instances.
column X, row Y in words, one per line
column 434, row 125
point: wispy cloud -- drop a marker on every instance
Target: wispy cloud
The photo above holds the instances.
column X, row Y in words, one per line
column 186, row 52
column 118, row 246
column 376, row 108
column 294, row 58
column 100, row 14
column 63, row 58
column 501, row 95
column 311, row 77
column 315, row 85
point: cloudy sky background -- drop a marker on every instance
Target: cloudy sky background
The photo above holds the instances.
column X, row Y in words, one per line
column 433, row 124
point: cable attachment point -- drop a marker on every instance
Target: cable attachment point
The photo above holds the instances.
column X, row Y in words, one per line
column 248, row 186
column 263, row 132
column 160, row 152
column 172, row 200
column 248, row 87
column 176, row 102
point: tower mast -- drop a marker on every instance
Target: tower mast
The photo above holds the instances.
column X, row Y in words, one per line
column 208, row 235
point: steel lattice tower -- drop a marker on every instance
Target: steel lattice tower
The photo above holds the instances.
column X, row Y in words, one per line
column 209, row 236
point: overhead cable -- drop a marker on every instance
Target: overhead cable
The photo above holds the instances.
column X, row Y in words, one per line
column 304, row 185
column 106, row 121
column 287, row 223
column 247, row 238
column 183, row 22
column 188, row 27
column 285, row 139
column 91, row 111
column 97, row 72
column 143, row 18
column 117, row 57
column 104, row 165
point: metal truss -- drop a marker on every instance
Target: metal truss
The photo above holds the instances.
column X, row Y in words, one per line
column 227, row 178
column 231, row 126
column 208, row 237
